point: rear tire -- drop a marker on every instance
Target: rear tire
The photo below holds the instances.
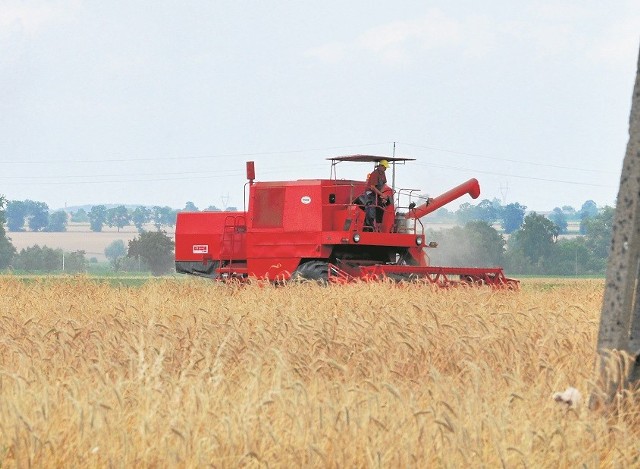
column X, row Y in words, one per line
column 312, row 270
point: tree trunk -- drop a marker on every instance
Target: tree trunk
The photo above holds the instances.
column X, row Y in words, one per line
column 619, row 334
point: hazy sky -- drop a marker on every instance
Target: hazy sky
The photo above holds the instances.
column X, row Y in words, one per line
column 162, row 102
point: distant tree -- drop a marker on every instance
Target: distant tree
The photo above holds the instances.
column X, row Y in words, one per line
column 140, row 216
column 118, row 217
column 190, row 207
column 156, row 217
column 559, row 219
column 589, row 209
column 516, row 263
column 115, row 252
column 569, row 211
column 39, row 259
column 232, row 209
column 487, row 242
column 7, row 250
column 512, row 217
column 155, row 248
column 132, row 264
column 486, row 211
column 572, row 257
column 97, row 217
column 162, row 216
column 172, row 216
column 536, row 238
column 598, row 231
column 79, row 216
column 474, row 245
column 75, row 262
column 57, row 221
column 583, row 224
column 16, row 214
column 38, row 214
column 444, row 214
column 465, row 213
column 212, row 208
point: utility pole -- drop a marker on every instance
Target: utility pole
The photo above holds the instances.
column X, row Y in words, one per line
column 225, row 201
column 504, row 190
column 619, row 333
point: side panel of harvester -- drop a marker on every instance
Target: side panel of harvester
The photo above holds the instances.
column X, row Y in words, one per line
column 204, row 238
column 285, row 223
column 293, row 221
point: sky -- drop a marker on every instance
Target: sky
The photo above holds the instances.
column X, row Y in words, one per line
column 162, row 102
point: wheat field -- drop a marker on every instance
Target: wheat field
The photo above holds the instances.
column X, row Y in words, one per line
column 191, row 373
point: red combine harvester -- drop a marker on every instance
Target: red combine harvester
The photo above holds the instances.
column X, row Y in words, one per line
column 318, row 229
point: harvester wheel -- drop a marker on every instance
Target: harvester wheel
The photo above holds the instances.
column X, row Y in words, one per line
column 312, row 270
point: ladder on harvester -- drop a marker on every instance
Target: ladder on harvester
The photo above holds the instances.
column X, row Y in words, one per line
column 229, row 267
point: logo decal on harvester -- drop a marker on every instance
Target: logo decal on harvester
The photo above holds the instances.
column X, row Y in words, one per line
column 200, row 248
column 305, row 200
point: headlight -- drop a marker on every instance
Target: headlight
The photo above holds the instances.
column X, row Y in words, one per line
column 356, row 238
column 419, row 240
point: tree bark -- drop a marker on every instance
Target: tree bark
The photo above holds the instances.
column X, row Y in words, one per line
column 619, row 332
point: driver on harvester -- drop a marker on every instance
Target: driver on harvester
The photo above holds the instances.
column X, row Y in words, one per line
column 373, row 196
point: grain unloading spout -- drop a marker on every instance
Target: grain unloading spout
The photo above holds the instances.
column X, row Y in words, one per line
column 471, row 187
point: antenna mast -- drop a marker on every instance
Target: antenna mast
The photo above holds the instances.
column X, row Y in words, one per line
column 393, row 173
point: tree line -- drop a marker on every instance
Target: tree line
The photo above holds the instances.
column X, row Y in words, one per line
column 534, row 247
column 36, row 216
column 510, row 217
column 150, row 251
column 486, row 234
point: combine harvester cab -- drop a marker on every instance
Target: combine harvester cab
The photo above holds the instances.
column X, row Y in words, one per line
column 324, row 229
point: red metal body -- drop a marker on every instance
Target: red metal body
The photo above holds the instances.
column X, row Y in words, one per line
column 315, row 229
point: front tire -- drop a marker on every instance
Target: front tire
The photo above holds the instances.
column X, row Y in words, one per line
column 312, row 270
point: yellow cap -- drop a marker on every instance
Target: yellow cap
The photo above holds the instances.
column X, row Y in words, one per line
column 384, row 163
